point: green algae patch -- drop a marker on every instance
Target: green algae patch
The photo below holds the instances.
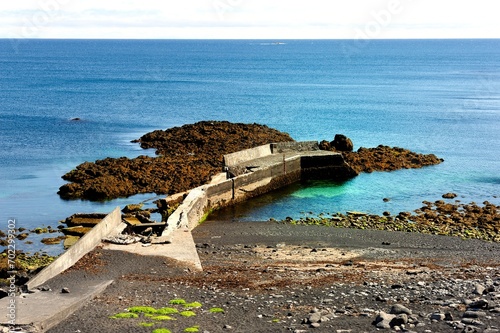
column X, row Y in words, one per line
column 123, row 315
column 146, row 324
column 161, row 330
column 142, row 309
column 193, row 305
column 162, row 318
column 167, row 311
column 192, row 329
column 177, row 301
column 188, row 313
column 206, row 215
column 216, row 310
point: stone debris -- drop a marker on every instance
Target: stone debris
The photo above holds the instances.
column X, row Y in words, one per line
column 124, row 239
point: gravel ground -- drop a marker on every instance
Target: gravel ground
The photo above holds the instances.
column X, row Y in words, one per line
column 270, row 277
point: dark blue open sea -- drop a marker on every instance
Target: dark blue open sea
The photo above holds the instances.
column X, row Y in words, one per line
column 430, row 96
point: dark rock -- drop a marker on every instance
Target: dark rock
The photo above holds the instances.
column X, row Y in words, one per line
column 474, row 314
column 471, row 321
column 132, row 208
column 342, row 143
column 401, row 319
column 448, row 316
column 162, row 204
column 324, row 145
column 65, row 290
column 396, row 286
column 437, row 316
column 449, row 196
column 3, row 293
column 22, row 236
column 479, row 304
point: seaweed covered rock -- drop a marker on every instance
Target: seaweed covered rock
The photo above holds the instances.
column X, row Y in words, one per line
column 188, row 157
column 384, row 158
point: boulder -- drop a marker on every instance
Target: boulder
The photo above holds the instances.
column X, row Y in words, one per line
column 342, row 143
column 132, row 208
column 324, row 145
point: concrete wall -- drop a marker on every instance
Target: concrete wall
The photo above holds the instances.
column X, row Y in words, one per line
column 190, row 212
column 231, row 191
column 86, row 244
column 294, row 146
column 246, row 155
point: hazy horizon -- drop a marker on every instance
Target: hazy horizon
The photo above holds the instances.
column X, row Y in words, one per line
column 245, row 19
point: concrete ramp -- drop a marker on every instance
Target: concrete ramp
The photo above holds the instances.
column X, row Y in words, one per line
column 45, row 309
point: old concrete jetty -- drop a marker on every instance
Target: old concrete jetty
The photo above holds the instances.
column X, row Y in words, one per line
column 246, row 174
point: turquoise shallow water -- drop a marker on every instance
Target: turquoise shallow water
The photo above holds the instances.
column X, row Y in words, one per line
column 430, row 96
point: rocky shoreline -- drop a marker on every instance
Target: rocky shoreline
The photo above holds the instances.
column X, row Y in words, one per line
column 436, row 218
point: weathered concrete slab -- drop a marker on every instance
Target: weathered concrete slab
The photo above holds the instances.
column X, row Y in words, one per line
column 86, row 244
column 44, row 309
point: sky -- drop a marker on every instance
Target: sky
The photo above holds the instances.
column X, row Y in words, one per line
column 249, row 19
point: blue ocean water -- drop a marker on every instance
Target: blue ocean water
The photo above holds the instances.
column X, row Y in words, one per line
column 430, row 96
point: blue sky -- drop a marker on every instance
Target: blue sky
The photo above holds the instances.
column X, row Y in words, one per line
column 266, row 19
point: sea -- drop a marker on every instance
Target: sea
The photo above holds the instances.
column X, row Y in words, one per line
column 429, row 96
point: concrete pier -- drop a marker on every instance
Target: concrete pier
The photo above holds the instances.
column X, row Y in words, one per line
column 247, row 174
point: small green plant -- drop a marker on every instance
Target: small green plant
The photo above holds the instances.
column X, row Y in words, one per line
column 275, row 321
column 177, row 301
column 142, row 309
column 193, row 305
column 192, row 329
column 162, row 318
column 122, row 315
column 167, row 311
column 205, row 216
column 216, row 310
column 188, row 313
column 161, row 330
column 146, row 324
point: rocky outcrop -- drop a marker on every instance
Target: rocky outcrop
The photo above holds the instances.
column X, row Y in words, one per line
column 381, row 158
column 188, row 157
column 384, row 158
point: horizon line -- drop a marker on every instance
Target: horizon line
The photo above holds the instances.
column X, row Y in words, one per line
column 242, row 39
